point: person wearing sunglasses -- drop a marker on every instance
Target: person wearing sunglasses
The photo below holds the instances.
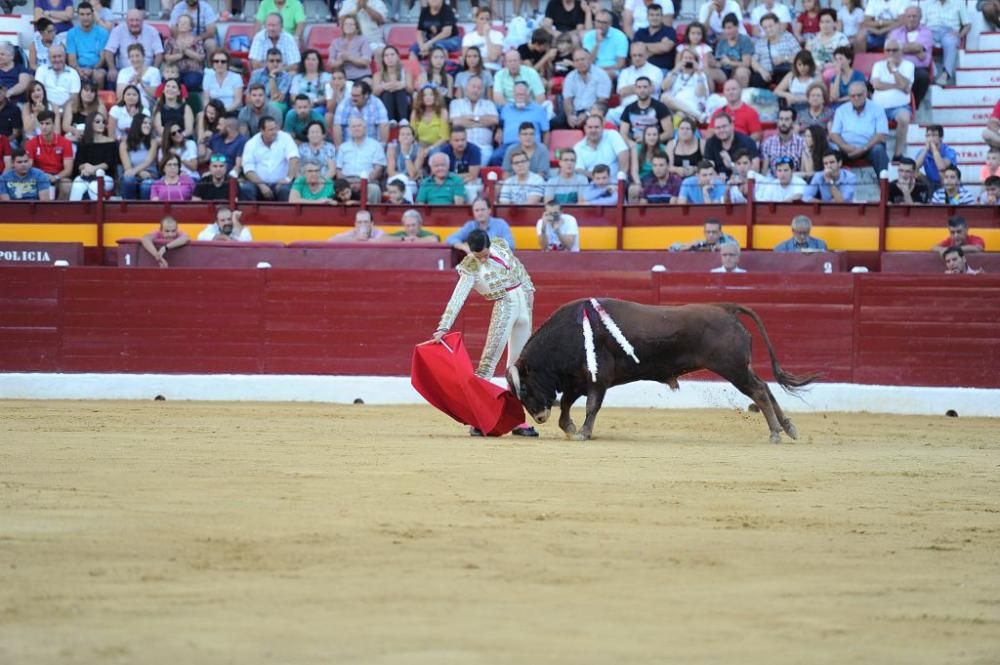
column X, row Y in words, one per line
column 892, row 79
column 96, row 156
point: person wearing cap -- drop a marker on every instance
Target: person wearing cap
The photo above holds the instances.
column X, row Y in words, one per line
column 228, row 227
column 801, row 240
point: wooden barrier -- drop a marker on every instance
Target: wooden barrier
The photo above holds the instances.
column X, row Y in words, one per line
column 932, row 263
column 935, row 330
column 854, row 228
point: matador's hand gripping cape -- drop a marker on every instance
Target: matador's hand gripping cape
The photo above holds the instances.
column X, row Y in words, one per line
column 443, row 375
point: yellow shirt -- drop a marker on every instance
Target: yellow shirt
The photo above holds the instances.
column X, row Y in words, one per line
column 431, row 131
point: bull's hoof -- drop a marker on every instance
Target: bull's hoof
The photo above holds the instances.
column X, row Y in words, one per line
column 569, row 430
column 579, row 436
column 790, row 430
column 775, row 437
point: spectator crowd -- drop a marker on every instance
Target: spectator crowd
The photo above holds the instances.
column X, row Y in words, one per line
column 595, row 94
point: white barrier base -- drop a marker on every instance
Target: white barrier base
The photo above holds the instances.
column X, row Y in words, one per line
column 822, row 397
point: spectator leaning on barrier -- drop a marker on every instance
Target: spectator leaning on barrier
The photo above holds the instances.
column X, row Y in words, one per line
column 955, row 262
column 413, row 230
column 704, row 187
column 833, row 184
column 228, row 227
column 801, row 240
column 729, row 253
column 557, row 231
column 952, row 191
column 906, row 188
column 712, row 242
column 441, row 187
column 783, row 188
column 959, row 236
column 23, row 182
column 167, row 237
column 860, row 128
column 312, row 187
column 364, row 229
column 481, row 219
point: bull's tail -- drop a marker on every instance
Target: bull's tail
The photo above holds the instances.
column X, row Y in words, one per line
column 790, row 382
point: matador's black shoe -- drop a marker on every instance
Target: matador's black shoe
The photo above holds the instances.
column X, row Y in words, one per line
column 525, row 431
column 475, row 431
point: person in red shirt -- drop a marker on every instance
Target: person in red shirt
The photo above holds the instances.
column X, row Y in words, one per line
column 745, row 117
column 992, row 132
column 52, row 154
column 6, row 156
column 958, row 236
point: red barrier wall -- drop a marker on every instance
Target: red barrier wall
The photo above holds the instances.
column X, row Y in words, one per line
column 906, row 330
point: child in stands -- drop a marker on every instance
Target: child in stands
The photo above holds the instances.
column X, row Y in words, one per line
column 992, row 165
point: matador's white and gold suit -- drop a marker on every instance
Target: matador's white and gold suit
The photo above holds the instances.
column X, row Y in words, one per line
column 502, row 279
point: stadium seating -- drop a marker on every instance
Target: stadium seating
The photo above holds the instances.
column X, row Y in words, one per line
column 320, row 36
column 402, row 37
column 234, row 30
column 560, row 139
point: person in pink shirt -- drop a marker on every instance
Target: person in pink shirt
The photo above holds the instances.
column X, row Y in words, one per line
column 173, row 185
column 992, row 165
column 992, row 132
column 917, row 42
column 167, row 237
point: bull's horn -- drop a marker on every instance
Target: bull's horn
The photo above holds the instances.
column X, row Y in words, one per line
column 514, row 380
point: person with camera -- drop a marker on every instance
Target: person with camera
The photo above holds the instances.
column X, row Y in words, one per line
column 557, row 231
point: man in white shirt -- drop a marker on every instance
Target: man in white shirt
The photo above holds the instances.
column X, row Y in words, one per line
column 227, row 227
column 371, row 16
column 712, row 12
column 640, row 67
column 784, row 188
column 601, row 146
column 361, row 155
column 478, row 116
column 769, row 7
column 557, row 231
column 892, row 79
column 949, row 22
column 730, row 254
column 271, row 161
column 274, row 36
column 61, row 82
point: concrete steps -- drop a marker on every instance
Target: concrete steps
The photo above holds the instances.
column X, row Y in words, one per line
column 988, row 41
column 961, row 115
column 978, row 77
column 953, row 134
column 978, row 95
column 981, row 59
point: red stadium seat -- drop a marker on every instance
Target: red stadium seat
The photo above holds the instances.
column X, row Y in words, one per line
column 863, row 62
column 238, row 30
column 412, row 65
column 163, row 28
column 560, row 139
column 680, row 29
column 108, row 98
column 402, row 37
column 321, row 35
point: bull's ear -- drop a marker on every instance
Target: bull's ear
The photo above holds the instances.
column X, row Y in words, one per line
column 514, row 380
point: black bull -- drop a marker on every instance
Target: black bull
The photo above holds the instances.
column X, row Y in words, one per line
column 668, row 342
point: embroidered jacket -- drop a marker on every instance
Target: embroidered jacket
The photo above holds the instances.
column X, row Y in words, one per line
column 494, row 278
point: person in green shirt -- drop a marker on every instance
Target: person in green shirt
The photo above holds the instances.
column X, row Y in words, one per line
column 293, row 14
column 300, row 116
column 413, row 230
column 442, row 187
column 312, row 187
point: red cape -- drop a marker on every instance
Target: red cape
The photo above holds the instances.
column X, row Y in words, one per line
column 443, row 375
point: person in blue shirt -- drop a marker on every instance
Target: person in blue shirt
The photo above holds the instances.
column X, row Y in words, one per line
column 704, row 187
column 936, row 155
column 801, row 240
column 24, row 182
column 494, row 227
column 601, row 191
column 608, row 45
column 833, row 184
column 84, row 44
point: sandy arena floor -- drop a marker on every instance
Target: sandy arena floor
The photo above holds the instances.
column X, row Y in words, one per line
column 173, row 532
